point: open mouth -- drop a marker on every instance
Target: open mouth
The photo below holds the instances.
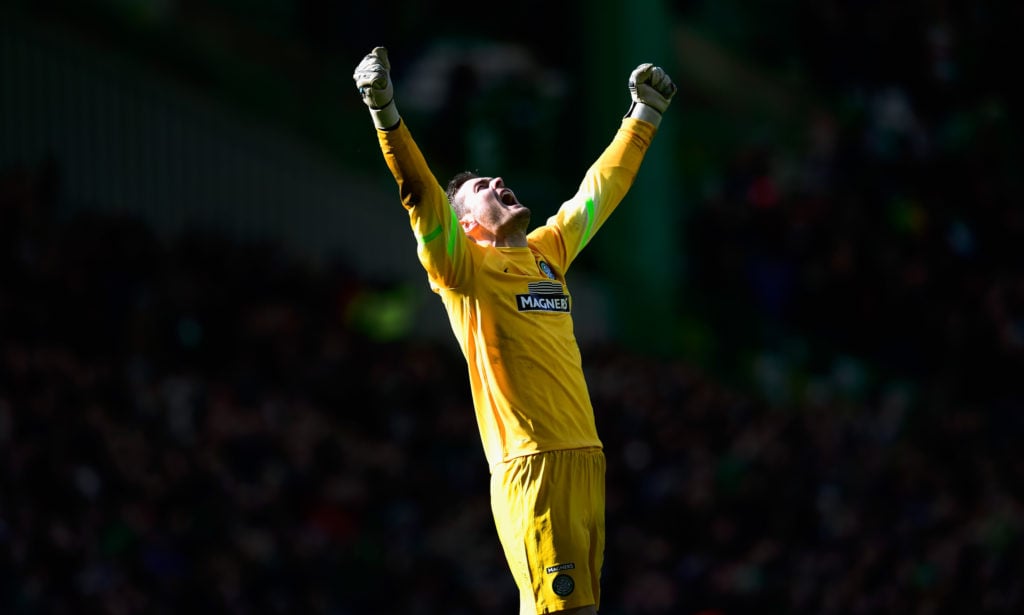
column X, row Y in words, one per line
column 508, row 198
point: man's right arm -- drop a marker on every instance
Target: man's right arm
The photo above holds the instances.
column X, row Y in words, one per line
column 441, row 244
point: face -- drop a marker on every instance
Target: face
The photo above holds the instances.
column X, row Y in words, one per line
column 492, row 211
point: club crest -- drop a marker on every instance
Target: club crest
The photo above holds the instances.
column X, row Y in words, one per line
column 563, row 585
column 546, row 269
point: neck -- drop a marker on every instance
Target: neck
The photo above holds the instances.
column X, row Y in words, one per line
column 515, row 240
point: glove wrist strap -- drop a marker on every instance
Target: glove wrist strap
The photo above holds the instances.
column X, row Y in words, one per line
column 647, row 113
column 387, row 117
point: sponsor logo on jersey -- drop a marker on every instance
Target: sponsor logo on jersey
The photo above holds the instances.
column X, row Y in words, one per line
column 560, row 567
column 543, row 297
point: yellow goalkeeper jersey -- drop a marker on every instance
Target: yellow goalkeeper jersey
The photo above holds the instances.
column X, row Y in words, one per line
column 510, row 308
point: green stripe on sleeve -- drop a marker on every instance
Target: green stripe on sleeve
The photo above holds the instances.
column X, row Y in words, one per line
column 452, row 235
column 432, row 235
column 455, row 231
column 590, row 224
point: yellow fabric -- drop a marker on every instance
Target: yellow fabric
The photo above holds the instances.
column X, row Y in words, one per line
column 512, row 321
column 549, row 512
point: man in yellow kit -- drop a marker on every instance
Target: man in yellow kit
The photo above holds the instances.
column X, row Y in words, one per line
column 505, row 293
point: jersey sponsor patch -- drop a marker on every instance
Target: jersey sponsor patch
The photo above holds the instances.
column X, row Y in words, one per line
column 543, row 297
column 560, row 567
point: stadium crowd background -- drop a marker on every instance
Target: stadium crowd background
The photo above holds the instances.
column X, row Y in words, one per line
column 203, row 424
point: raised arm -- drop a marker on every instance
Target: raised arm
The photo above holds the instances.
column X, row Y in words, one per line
column 442, row 247
column 611, row 176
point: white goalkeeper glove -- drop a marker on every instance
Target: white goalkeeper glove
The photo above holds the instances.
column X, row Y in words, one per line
column 652, row 91
column 373, row 79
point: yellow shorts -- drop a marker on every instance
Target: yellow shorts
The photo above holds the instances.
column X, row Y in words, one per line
column 549, row 512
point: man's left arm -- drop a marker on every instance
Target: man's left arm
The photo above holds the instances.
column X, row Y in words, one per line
column 611, row 176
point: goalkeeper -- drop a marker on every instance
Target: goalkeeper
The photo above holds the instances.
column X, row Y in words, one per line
column 504, row 289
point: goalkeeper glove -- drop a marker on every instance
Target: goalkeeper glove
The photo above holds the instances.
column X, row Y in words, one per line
column 652, row 91
column 373, row 79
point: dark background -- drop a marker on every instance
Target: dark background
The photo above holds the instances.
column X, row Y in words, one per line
column 224, row 387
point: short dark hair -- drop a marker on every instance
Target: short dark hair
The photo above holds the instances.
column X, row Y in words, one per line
column 453, row 187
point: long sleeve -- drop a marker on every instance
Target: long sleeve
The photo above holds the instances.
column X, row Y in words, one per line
column 443, row 249
column 603, row 187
